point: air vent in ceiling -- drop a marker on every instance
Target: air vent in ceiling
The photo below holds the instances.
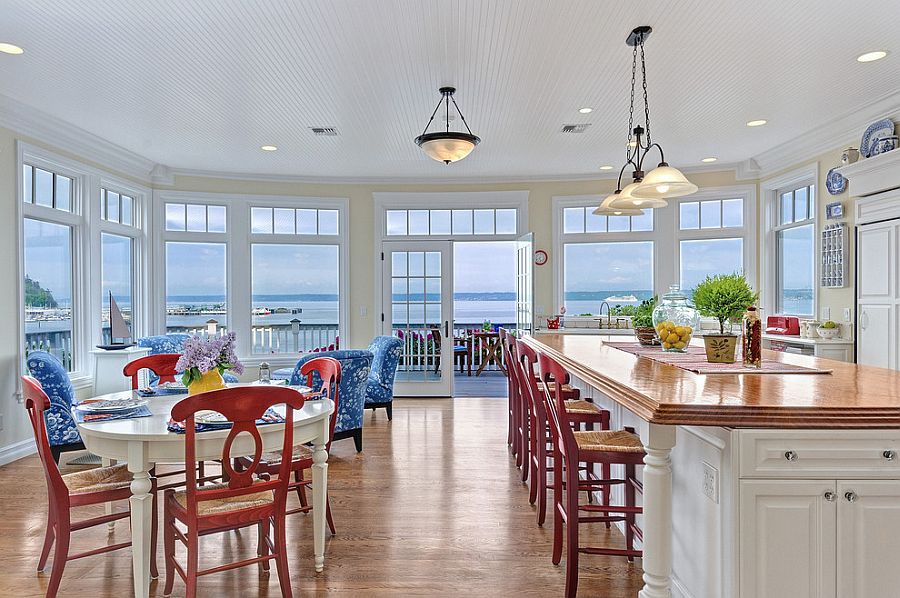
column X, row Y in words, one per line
column 575, row 128
column 324, row 131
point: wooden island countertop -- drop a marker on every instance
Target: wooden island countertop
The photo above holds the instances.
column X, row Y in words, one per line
column 852, row 396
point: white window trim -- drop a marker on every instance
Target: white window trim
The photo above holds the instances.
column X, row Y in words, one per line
column 805, row 175
column 238, row 239
column 450, row 200
column 87, row 265
column 665, row 235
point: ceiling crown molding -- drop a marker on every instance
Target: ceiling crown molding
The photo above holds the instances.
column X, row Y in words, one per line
column 45, row 128
column 844, row 130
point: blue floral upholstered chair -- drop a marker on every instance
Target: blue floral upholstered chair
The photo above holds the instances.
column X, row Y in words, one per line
column 172, row 343
column 355, row 366
column 380, row 386
column 49, row 371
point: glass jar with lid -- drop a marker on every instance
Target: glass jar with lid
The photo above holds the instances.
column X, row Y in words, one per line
column 675, row 320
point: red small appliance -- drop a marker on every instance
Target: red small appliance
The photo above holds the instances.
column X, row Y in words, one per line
column 786, row 325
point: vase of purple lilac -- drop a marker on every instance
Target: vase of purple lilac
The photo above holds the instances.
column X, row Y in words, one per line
column 205, row 360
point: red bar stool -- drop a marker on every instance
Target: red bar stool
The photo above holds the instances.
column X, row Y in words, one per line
column 571, row 447
column 242, row 501
column 540, row 440
column 514, row 405
column 89, row 487
column 163, row 365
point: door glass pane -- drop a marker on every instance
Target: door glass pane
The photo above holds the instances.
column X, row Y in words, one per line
column 416, row 289
column 433, row 290
column 116, row 272
column 261, row 220
column 702, row 258
column 283, row 220
column 399, row 289
column 432, row 263
column 195, row 287
column 294, row 309
column 462, row 222
column 416, row 313
column 440, row 222
column 710, row 214
column 417, row 263
column 733, row 213
column 398, row 263
column 48, row 288
column 418, row 222
column 689, row 215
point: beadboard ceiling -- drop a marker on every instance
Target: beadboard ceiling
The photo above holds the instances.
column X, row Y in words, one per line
column 203, row 84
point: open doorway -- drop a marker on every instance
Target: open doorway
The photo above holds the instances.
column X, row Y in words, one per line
column 484, row 299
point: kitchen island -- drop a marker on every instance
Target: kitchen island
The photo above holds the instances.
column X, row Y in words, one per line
column 755, row 485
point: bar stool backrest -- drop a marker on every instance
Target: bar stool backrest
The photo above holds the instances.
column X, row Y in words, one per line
column 560, row 425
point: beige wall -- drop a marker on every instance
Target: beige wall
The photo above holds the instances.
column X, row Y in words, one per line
column 362, row 275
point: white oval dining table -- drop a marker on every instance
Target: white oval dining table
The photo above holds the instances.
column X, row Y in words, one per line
column 145, row 441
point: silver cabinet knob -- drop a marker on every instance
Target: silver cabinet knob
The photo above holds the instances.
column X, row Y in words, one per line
column 851, row 496
column 889, row 455
column 830, row 496
column 790, row 456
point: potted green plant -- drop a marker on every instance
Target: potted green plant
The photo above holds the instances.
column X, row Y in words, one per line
column 642, row 322
column 724, row 297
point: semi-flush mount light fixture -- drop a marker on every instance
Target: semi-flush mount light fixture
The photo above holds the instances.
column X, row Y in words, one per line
column 8, row 48
column 606, row 210
column 647, row 190
column 447, row 146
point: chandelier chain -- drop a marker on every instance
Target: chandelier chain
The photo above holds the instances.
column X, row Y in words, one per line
column 631, row 105
column 646, row 101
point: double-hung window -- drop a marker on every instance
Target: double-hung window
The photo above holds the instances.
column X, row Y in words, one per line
column 120, row 218
column 795, row 250
column 710, row 231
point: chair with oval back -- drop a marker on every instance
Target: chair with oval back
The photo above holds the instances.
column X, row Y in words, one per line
column 81, row 488
column 244, row 500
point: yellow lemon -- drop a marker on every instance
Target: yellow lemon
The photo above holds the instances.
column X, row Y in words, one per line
column 679, row 345
column 666, row 345
column 672, row 339
column 686, row 336
column 679, row 330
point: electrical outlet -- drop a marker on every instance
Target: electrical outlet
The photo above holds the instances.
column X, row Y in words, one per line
column 711, row 482
column 848, row 317
column 826, row 313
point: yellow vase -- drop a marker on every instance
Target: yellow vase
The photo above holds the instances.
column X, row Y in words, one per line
column 211, row 380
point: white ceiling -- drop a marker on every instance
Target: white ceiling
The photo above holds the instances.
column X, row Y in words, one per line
column 203, row 84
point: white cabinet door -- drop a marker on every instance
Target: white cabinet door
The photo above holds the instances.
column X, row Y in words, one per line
column 877, row 336
column 868, row 539
column 787, row 538
column 878, row 295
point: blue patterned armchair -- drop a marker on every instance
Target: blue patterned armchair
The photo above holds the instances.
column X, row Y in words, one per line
column 49, row 371
column 355, row 366
column 172, row 343
column 380, row 386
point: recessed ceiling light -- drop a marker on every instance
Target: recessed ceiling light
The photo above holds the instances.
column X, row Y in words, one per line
column 268, row 148
column 10, row 48
column 871, row 56
column 757, row 123
column 606, row 168
column 585, row 110
column 710, row 159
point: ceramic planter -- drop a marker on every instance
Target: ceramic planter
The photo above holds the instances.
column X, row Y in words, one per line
column 720, row 348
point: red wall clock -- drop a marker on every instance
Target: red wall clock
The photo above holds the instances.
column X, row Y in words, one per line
column 540, row 257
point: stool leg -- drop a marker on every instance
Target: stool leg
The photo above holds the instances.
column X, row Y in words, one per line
column 533, row 463
column 606, row 470
column 630, row 502
column 572, row 531
column 524, row 441
column 557, row 505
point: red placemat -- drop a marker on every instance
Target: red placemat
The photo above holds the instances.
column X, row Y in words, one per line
column 695, row 361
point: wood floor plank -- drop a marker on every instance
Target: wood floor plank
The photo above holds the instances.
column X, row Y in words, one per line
column 432, row 507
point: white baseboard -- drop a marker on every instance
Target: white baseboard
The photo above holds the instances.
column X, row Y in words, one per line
column 17, row 450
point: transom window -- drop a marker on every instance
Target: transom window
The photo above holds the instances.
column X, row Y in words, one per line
column 501, row 221
column 45, row 188
column 711, row 214
column 116, row 207
column 583, row 220
column 795, row 248
column 195, row 218
column 293, row 221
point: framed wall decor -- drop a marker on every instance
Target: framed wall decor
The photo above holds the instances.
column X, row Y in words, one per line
column 834, row 210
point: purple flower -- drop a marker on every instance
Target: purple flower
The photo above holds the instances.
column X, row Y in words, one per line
column 205, row 355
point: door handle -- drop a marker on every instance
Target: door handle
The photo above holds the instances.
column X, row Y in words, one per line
column 830, row 496
column 850, row 496
column 446, row 329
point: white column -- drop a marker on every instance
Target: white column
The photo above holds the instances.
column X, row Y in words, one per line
column 319, row 492
column 657, row 560
column 141, row 512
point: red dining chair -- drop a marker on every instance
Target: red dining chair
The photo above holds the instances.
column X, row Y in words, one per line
column 540, row 439
column 163, row 365
column 571, row 448
column 328, row 371
column 81, row 488
column 244, row 500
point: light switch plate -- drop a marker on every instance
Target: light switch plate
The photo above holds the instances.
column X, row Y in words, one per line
column 363, row 311
column 826, row 313
column 711, row 482
column 848, row 317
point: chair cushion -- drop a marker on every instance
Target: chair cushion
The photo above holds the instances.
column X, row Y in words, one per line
column 98, row 479
column 581, row 406
column 225, row 505
column 616, row 441
column 300, row 452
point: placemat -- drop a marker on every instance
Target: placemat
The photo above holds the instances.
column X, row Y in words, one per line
column 83, row 417
column 695, row 361
column 269, row 417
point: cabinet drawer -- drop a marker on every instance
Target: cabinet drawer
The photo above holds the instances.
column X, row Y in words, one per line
column 819, row 454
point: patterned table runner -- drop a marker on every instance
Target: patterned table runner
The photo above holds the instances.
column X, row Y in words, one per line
column 695, row 361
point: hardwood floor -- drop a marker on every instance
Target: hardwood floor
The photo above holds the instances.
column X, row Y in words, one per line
column 433, row 506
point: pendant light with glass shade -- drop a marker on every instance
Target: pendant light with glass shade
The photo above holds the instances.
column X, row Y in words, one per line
column 447, row 146
column 647, row 190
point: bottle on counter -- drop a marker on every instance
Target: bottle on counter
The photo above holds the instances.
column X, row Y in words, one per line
column 265, row 373
column 752, row 338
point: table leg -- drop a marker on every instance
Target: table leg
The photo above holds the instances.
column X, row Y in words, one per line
column 108, row 507
column 657, row 560
column 141, row 513
column 320, row 493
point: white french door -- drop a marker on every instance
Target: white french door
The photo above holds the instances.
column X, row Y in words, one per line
column 418, row 307
column 525, row 283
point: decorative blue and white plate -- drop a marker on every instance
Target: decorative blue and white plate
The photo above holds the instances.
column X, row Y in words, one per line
column 875, row 131
column 835, row 182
